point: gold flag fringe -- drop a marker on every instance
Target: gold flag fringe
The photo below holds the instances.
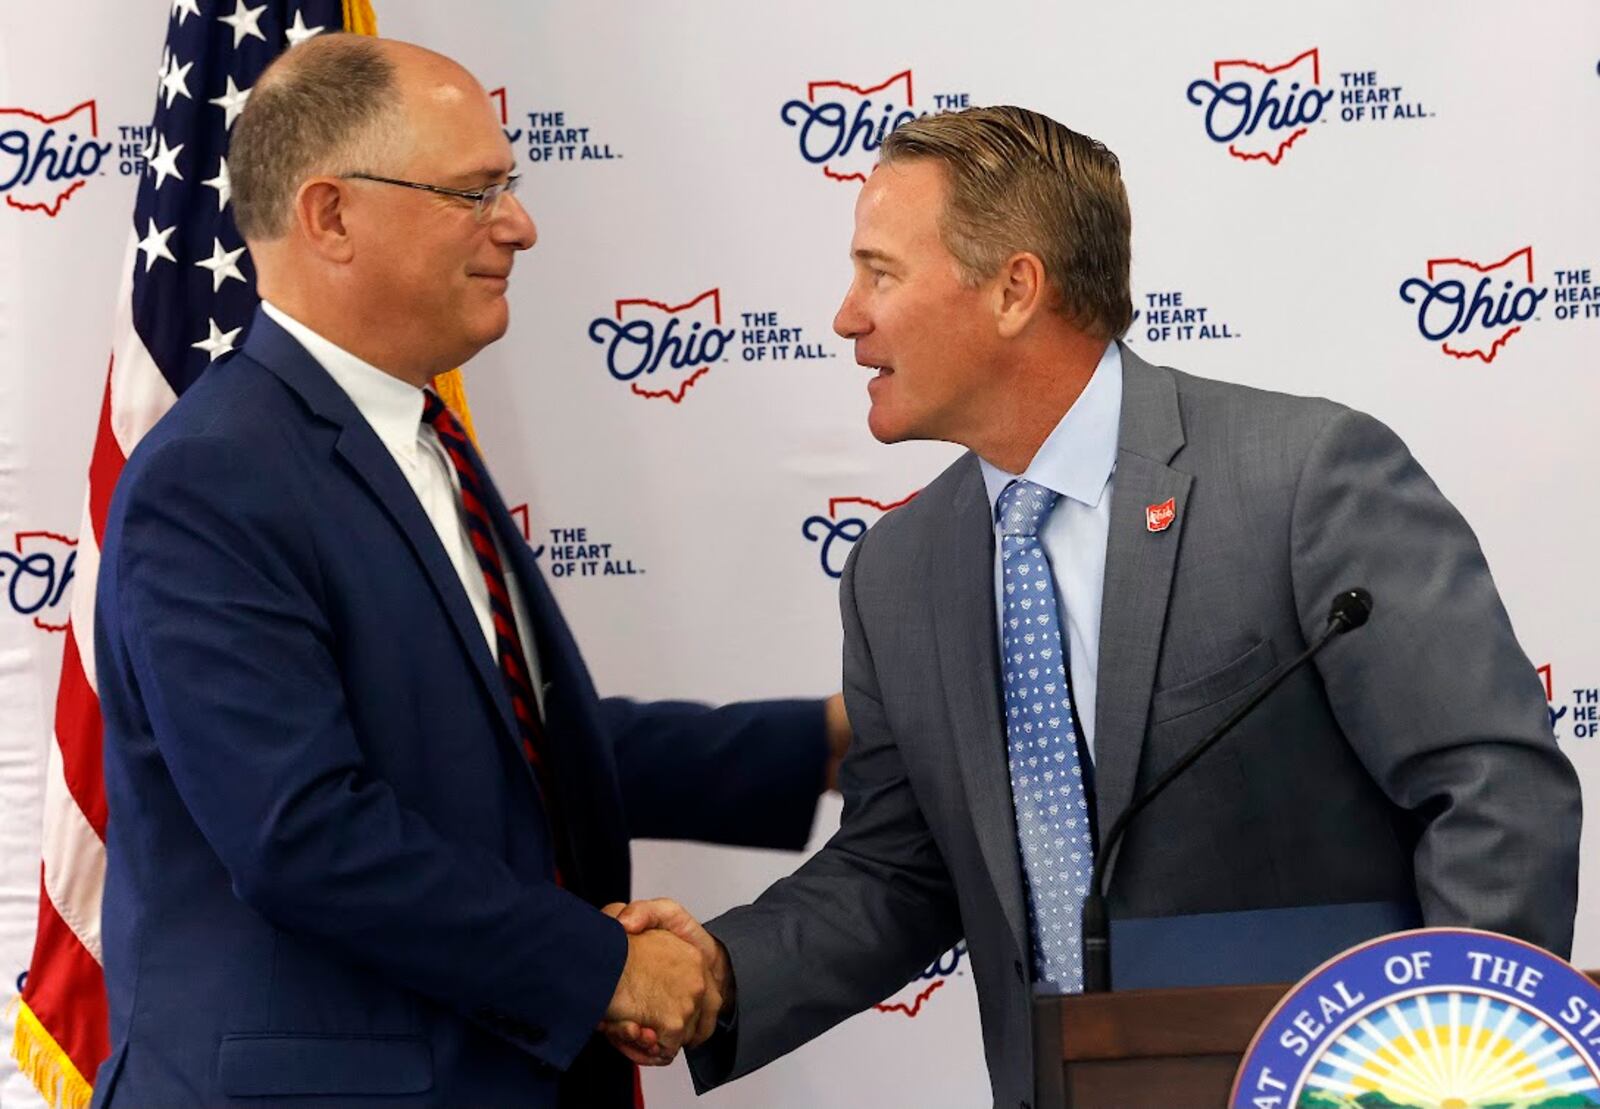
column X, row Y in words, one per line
column 359, row 18
column 43, row 1063
column 453, row 391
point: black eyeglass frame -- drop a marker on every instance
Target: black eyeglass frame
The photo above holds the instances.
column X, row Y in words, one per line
column 485, row 201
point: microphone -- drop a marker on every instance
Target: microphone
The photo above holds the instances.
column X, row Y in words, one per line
column 1349, row 611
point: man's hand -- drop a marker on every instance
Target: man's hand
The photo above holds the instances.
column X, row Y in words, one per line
column 837, row 726
column 632, row 1030
column 666, row 989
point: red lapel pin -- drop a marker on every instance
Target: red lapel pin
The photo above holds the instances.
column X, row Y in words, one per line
column 1159, row 517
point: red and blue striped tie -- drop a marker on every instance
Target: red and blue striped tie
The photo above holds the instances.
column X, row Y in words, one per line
column 480, row 531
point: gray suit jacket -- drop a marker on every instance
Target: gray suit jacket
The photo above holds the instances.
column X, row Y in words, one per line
column 1414, row 760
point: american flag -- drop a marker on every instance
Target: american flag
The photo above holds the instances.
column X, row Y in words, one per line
column 188, row 292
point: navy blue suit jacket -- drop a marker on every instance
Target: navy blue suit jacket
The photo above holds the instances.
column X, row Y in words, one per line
column 330, row 871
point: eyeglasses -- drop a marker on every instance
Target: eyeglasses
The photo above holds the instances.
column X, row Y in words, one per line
column 485, row 201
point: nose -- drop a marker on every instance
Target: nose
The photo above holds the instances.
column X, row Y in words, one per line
column 513, row 226
column 850, row 321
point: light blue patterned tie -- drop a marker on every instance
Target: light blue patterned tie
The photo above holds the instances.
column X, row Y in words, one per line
column 1047, row 786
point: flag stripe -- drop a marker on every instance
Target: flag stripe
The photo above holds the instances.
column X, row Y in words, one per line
column 78, row 738
column 140, row 394
column 85, row 569
column 104, row 465
column 70, row 1000
column 74, row 861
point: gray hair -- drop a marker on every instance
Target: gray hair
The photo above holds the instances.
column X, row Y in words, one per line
column 328, row 106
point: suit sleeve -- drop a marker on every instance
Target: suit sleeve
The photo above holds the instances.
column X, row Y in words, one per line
column 858, row 920
column 744, row 775
column 217, row 584
column 1436, row 696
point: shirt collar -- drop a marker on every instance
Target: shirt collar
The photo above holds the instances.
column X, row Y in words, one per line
column 1077, row 458
column 392, row 407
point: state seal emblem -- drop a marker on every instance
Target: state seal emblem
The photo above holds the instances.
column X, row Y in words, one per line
column 1441, row 1018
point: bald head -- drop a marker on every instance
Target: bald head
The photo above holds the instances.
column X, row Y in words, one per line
column 362, row 172
column 334, row 105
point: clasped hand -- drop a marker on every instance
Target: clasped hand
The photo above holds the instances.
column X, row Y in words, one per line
column 673, row 986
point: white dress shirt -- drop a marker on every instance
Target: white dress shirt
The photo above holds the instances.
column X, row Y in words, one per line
column 1076, row 461
column 393, row 409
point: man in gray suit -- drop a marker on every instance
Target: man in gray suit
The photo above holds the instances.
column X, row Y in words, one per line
column 1177, row 539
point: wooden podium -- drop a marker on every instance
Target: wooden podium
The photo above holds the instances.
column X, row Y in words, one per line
column 1148, row 1049
column 1161, row 1049
column 1178, row 1046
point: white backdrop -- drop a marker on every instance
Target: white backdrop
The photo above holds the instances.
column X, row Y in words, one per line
column 664, row 159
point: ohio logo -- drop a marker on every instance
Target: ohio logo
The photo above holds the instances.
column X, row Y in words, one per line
column 650, row 343
column 649, row 337
column 1472, row 309
column 847, row 520
column 45, row 159
column 1442, row 1018
column 910, row 999
column 36, row 574
column 1259, row 111
column 840, row 125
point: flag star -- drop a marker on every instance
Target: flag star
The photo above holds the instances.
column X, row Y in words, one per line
column 175, row 81
column 154, row 245
column 245, row 22
column 165, row 162
column 231, row 103
column 218, row 342
column 223, row 264
column 298, row 32
column 221, row 184
column 183, row 9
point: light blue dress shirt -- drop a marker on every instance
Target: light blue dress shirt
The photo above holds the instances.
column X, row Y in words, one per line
column 1076, row 460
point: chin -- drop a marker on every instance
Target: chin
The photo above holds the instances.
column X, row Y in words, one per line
column 489, row 328
column 885, row 428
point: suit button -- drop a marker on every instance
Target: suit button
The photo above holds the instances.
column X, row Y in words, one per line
column 1021, row 976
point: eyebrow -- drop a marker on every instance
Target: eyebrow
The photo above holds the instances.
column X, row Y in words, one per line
column 867, row 254
column 487, row 173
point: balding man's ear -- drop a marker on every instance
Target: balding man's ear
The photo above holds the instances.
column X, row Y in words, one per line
column 1021, row 292
column 319, row 216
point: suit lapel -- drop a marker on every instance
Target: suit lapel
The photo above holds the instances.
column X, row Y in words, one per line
column 360, row 446
column 1138, row 580
column 589, row 807
column 966, row 639
column 361, row 449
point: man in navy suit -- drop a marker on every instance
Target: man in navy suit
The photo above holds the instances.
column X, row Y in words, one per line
column 365, row 802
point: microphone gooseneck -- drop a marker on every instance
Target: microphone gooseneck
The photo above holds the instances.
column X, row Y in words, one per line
column 1349, row 611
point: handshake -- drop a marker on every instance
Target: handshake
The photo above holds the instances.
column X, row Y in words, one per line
column 675, row 984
